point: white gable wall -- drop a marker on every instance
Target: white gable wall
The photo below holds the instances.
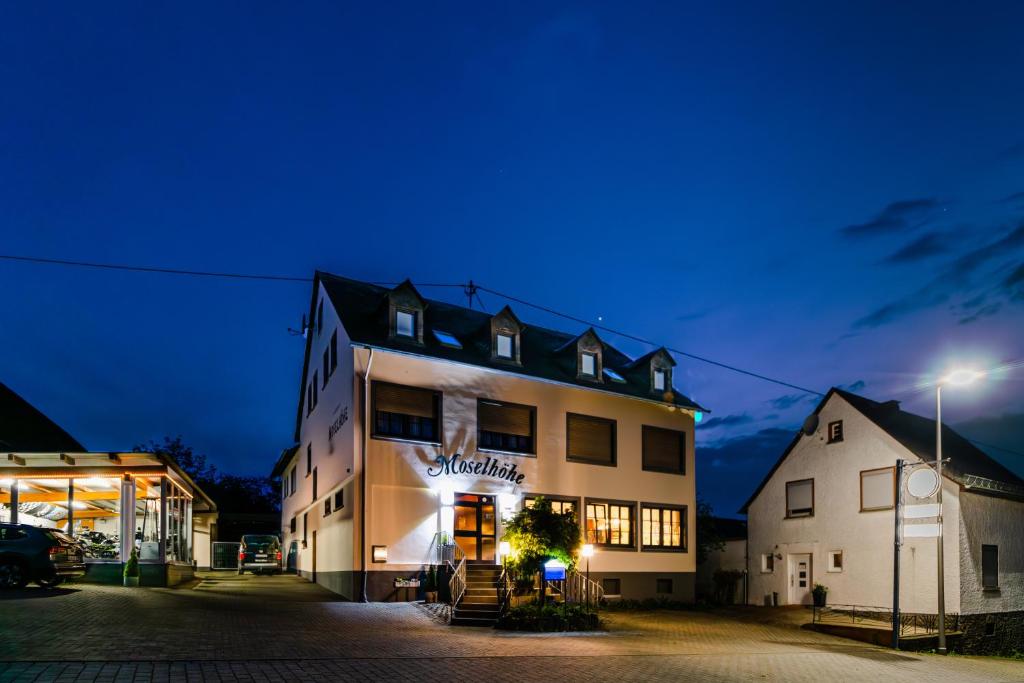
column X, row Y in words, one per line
column 866, row 538
column 991, row 521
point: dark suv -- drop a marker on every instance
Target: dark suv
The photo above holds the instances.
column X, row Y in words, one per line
column 259, row 553
column 46, row 556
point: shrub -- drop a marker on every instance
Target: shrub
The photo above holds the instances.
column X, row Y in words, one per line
column 538, row 533
column 131, row 567
column 548, row 618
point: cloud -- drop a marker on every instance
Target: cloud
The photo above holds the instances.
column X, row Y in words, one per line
column 854, row 387
column 790, row 400
column 900, row 216
column 1015, row 198
column 1006, row 430
column 694, row 315
column 928, row 244
column 730, row 469
column 727, row 421
column 982, row 312
column 956, row 276
column 1013, row 285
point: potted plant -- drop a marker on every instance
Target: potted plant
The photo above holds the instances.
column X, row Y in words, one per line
column 819, row 592
column 430, row 585
column 131, row 569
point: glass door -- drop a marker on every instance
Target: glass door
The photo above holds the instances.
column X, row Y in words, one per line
column 475, row 525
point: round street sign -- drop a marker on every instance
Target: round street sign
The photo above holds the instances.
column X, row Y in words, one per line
column 923, row 483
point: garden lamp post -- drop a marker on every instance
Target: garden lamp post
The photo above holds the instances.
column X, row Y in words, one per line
column 956, row 378
column 588, row 552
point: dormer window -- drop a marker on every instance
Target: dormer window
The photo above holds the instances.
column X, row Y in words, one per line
column 588, row 364
column 659, row 380
column 405, row 324
column 505, row 346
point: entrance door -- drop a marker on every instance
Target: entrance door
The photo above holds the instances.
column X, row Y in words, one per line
column 800, row 579
column 474, row 525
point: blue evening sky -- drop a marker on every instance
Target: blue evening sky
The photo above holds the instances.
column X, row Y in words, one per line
column 833, row 195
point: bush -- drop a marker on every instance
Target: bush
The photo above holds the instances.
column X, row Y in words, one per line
column 131, row 567
column 548, row 618
column 537, row 534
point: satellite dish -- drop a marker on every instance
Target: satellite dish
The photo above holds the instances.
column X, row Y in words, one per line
column 810, row 424
column 923, row 483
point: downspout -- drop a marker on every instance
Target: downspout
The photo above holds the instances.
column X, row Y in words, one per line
column 362, row 477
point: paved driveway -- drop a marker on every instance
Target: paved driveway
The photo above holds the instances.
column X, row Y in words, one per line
column 248, row 628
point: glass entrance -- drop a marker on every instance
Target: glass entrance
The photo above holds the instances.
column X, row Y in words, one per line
column 474, row 525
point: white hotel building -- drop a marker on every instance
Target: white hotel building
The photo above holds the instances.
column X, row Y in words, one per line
column 418, row 417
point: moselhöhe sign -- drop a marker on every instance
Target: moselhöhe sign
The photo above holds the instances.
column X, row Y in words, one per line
column 490, row 467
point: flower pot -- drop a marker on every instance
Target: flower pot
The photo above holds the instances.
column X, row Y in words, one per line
column 132, row 581
column 819, row 599
column 431, row 596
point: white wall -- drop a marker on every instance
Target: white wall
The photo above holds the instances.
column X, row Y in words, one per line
column 405, row 505
column 732, row 557
column 201, row 537
column 333, row 457
column 866, row 538
column 991, row 521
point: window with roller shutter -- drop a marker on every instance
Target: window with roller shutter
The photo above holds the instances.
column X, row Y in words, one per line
column 800, row 498
column 664, row 450
column 506, row 426
column 590, row 440
column 402, row 412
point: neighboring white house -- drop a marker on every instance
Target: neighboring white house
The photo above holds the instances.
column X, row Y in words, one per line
column 825, row 514
column 419, row 420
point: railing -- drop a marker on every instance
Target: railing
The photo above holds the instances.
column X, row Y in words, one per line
column 505, row 589
column 578, row 589
column 973, row 481
column 444, row 549
column 457, row 582
column 911, row 623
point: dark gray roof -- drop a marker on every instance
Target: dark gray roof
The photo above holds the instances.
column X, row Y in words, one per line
column 917, row 435
column 363, row 310
column 25, row 429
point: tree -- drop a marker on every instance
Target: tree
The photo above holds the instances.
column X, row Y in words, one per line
column 709, row 539
column 538, row 533
column 192, row 463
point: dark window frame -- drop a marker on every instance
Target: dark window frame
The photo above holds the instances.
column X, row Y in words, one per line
column 415, row 314
column 294, row 524
column 320, row 318
column 617, row 584
column 305, row 528
column 644, row 429
column 439, row 410
column 837, row 436
column 531, row 452
column 634, row 542
column 334, row 351
column 659, row 583
column 327, row 506
column 592, row 418
column 309, row 458
column 891, row 469
column 339, row 499
column 326, row 366
column 684, row 525
column 801, row 516
column 314, row 485
column 984, row 584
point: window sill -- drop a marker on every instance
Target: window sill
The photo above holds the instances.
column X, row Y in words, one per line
column 579, row 461
column 810, row 516
column 498, row 451
column 615, row 548
column 405, row 439
column 990, row 589
column 661, row 471
column 876, row 509
column 657, row 549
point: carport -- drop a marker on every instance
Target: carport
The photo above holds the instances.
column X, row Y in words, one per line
column 111, row 503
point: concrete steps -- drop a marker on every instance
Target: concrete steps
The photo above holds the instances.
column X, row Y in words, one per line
column 479, row 604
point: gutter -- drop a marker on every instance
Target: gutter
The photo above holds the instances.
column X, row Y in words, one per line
column 362, row 476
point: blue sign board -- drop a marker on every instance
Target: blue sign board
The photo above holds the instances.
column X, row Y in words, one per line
column 554, row 570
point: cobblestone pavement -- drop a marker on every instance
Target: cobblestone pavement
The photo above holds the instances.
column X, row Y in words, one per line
column 230, row 628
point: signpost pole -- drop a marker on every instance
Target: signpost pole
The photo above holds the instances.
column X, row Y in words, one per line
column 896, row 558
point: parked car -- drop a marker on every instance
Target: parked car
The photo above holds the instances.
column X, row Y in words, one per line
column 259, row 553
column 46, row 556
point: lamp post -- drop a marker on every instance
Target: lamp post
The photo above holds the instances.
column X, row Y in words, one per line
column 956, row 378
column 588, row 552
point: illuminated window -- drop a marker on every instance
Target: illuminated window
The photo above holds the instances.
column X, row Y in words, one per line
column 659, row 380
column 800, row 498
column 662, row 528
column 588, row 364
column 558, row 506
column 505, row 346
column 610, row 524
column 405, row 323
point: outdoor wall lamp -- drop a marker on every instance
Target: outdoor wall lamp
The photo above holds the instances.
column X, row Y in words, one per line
column 380, row 553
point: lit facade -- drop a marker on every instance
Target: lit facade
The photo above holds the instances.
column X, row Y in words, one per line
column 419, row 419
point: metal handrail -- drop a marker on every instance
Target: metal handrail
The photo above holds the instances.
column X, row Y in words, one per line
column 577, row 588
column 457, row 582
column 505, row 588
column 881, row 617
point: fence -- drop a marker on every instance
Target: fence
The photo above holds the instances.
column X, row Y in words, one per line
column 224, row 555
column 911, row 624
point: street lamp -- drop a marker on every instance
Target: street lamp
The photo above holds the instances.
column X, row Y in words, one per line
column 588, row 552
column 957, row 378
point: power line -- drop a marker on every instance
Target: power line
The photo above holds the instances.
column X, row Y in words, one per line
column 197, row 273
column 648, row 342
column 998, row 448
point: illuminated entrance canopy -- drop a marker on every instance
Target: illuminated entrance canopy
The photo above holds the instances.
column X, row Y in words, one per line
column 456, row 464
